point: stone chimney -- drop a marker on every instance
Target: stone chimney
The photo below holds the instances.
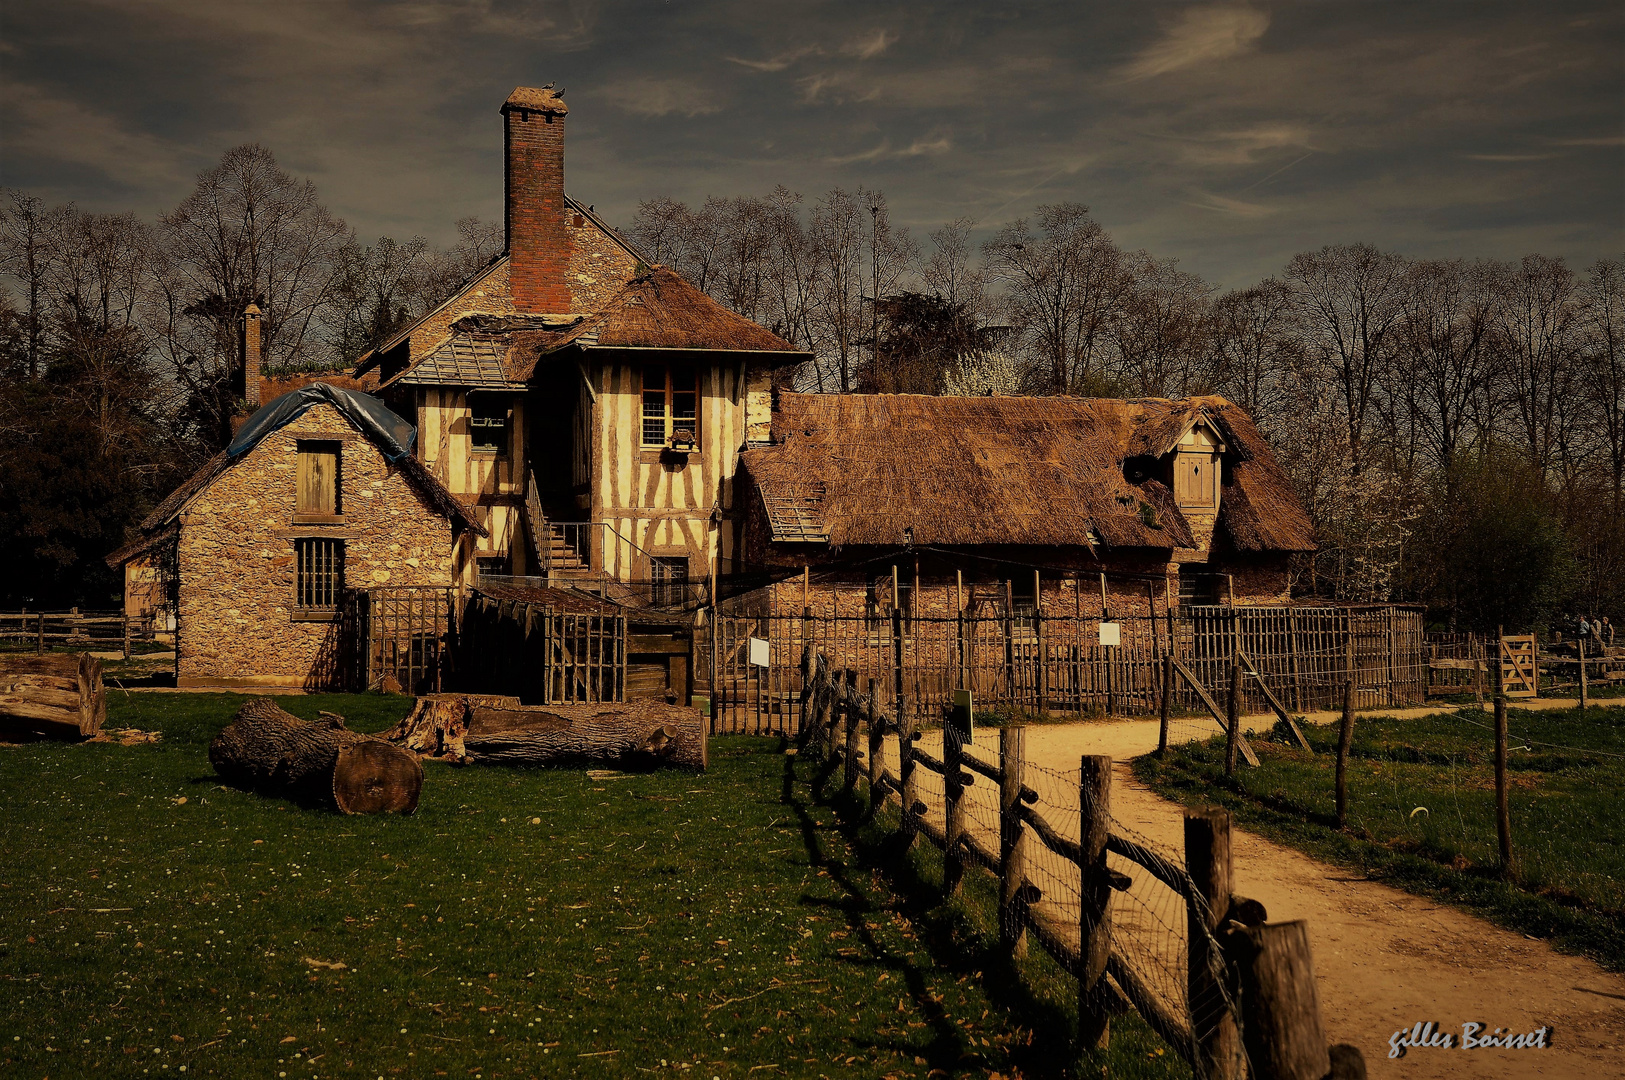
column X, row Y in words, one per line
column 251, row 355
column 538, row 247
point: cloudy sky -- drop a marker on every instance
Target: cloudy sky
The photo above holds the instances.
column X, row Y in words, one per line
column 1227, row 136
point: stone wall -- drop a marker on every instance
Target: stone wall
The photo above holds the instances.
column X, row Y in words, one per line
column 236, row 557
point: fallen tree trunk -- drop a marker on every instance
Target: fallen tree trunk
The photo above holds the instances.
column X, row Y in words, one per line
column 487, row 728
column 55, row 696
column 268, row 749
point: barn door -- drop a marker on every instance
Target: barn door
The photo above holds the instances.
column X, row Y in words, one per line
column 1518, row 668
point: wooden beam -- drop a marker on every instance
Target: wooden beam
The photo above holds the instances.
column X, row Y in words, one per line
column 1269, row 696
column 1218, row 714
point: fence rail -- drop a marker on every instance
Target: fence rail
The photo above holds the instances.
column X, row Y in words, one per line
column 1136, row 926
column 1299, row 658
column 92, row 629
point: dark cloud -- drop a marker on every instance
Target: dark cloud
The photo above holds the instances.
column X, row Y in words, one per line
column 1226, row 135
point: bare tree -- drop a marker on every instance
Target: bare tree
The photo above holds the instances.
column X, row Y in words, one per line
column 1348, row 301
column 1442, row 354
column 1160, row 333
column 1253, row 350
column 249, row 231
column 952, row 272
column 1063, row 283
column 1603, row 366
column 27, row 228
column 836, row 233
column 1535, row 336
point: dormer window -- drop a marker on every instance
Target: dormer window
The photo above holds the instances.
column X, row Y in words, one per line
column 1196, row 469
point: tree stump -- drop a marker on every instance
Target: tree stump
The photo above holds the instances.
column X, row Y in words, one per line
column 51, row 696
column 268, row 749
column 498, row 730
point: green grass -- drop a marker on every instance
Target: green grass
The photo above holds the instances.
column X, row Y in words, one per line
column 520, row 924
column 1566, row 804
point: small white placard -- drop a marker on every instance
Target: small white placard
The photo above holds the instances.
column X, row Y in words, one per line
column 758, row 652
column 1111, row 633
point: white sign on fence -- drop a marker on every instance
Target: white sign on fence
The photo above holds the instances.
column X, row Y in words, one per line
column 758, row 652
column 1111, row 633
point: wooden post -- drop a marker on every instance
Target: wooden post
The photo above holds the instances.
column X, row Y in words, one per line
column 877, row 746
column 898, row 703
column 1581, row 674
column 850, row 777
column 40, row 647
column 1214, row 1035
column 1232, row 716
column 953, row 790
column 1280, row 1022
column 1009, row 641
column 1345, row 738
column 126, row 621
column 1503, row 818
column 905, row 771
column 1094, row 914
column 1167, row 699
column 1292, row 658
column 1012, row 865
column 716, row 679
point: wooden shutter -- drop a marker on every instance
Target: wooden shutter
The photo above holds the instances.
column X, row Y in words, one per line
column 318, row 478
column 1195, row 480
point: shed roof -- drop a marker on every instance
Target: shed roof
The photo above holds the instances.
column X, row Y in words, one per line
column 860, row 468
column 474, row 360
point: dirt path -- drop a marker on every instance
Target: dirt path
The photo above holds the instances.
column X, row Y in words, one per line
column 1385, row 959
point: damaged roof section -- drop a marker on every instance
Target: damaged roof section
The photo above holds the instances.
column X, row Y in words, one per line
column 1007, row 470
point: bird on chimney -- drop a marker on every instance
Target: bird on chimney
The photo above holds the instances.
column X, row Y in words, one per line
column 547, row 86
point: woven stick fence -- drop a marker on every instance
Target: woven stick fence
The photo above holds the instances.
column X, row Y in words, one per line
column 1139, row 926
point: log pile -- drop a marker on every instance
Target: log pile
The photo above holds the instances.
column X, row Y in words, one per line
column 499, row 730
column 268, row 749
column 54, row 696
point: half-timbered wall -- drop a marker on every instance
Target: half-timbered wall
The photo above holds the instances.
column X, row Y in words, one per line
column 659, row 500
column 493, row 484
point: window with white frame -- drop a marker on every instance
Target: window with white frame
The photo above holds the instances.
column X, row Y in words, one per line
column 670, row 405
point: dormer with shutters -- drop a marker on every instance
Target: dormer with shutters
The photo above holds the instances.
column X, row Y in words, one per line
column 1196, row 466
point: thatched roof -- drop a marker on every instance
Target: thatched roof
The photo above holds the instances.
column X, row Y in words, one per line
column 861, row 468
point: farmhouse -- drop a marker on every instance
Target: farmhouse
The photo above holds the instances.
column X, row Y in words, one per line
column 892, row 498
column 574, row 420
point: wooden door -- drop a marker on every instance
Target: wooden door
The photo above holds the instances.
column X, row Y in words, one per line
column 1195, row 479
column 318, row 478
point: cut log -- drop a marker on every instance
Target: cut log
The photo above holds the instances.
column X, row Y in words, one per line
column 54, row 696
column 270, row 750
column 491, row 729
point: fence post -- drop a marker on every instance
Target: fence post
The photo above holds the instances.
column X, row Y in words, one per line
column 905, row 773
column 897, row 660
column 1009, row 642
column 1012, row 868
column 1042, row 681
column 125, row 620
column 1214, row 1036
column 1503, row 819
column 850, row 778
column 40, row 648
column 877, row 747
column 953, row 790
column 1581, row 676
column 1233, row 716
column 1167, row 697
column 1345, row 737
column 1281, row 1025
column 1094, row 913
column 716, row 664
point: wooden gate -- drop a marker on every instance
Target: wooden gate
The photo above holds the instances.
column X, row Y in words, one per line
column 404, row 632
column 1520, row 672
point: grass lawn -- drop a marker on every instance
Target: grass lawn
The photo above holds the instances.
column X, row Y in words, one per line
column 520, row 924
column 1422, row 812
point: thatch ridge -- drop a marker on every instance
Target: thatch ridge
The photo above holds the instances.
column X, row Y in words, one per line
column 1012, row 470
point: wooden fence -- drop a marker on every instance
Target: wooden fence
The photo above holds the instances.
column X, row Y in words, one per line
column 1298, row 657
column 91, row 630
column 541, row 656
column 1244, row 1000
column 403, row 637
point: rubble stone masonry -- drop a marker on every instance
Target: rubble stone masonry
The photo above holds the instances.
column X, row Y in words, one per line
column 236, row 557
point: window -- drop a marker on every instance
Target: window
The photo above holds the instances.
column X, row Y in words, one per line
column 668, row 576
column 319, row 580
column 488, row 424
column 670, row 405
column 1024, row 601
column 318, row 487
column 491, row 566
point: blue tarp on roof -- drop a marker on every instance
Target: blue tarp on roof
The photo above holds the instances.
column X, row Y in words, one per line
column 393, row 435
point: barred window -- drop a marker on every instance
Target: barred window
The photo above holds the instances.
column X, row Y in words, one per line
column 319, row 577
column 669, row 578
column 670, row 404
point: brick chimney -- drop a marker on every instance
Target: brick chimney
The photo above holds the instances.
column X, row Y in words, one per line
column 251, row 355
column 538, row 247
